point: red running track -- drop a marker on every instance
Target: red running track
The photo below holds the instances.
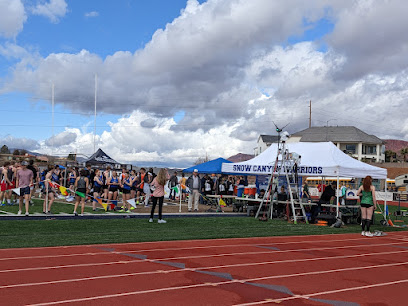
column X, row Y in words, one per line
column 345, row 269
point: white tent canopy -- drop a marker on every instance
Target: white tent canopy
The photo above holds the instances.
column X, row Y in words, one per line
column 317, row 159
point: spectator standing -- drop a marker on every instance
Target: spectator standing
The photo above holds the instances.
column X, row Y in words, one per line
column 106, row 177
column 368, row 204
column 47, row 189
column 24, row 180
column 72, row 175
column 194, row 184
column 81, row 185
column 97, row 187
column 133, row 189
column 158, row 194
column 126, row 189
column 305, row 193
column 33, row 168
column 222, row 186
column 5, row 184
column 148, row 178
column 183, row 185
column 230, row 185
column 140, row 186
column 173, row 182
column 113, row 184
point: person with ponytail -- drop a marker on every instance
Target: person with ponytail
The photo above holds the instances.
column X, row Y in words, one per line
column 368, row 204
column 158, row 193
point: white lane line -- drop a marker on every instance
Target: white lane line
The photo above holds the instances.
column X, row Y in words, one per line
column 175, row 249
column 308, row 296
column 191, row 240
column 246, row 245
column 172, row 241
column 71, row 266
column 272, row 252
column 195, row 269
column 208, row 284
column 57, row 256
column 277, row 252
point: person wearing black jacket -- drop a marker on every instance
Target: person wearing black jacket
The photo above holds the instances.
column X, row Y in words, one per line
column 173, row 182
column 328, row 194
column 35, row 178
column 207, row 185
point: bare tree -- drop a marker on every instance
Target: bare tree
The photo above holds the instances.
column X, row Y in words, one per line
column 201, row 160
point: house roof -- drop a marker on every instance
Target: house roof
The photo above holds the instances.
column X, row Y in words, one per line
column 269, row 138
column 336, row 134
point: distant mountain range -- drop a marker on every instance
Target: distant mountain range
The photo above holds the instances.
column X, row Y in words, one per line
column 240, row 157
column 395, row 145
column 29, row 152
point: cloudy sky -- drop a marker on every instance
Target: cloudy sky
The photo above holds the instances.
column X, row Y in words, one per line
column 179, row 79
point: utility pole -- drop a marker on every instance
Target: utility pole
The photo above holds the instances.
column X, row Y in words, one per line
column 94, row 135
column 310, row 114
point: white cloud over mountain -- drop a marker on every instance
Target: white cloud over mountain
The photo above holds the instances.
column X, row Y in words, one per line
column 229, row 67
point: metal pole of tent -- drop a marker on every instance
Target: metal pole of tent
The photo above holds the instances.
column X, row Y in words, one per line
column 65, row 174
column 385, row 200
column 180, row 195
column 46, row 195
column 337, row 198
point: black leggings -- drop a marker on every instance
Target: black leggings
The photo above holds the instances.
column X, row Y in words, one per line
column 154, row 200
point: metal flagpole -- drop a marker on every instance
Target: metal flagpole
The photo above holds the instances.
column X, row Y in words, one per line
column 52, row 119
column 96, row 88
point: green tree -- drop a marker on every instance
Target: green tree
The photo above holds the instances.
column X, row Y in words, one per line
column 404, row 152
column 390, row 156
column 4, row 150
column 16, row 152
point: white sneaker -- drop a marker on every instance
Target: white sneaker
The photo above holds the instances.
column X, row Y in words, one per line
column 363, row 233
column 151, row 220
column 368, row 234
column 19, row 212
column 27, row 214
column 161, row 221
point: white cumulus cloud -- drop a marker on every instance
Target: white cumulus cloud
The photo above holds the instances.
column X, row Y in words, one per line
column 54, row 10
column 228, row 67
column 12, row 18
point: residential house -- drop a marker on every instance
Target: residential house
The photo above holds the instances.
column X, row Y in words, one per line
column 349, row 139
column 264, row 141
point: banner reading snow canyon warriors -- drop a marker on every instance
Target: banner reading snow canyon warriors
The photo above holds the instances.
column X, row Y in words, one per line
column 262, row 169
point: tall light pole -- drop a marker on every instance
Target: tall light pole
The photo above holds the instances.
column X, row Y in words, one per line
column 52, row 119
column 96, row 88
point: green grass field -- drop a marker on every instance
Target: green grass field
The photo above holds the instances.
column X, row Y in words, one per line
column 37, row 233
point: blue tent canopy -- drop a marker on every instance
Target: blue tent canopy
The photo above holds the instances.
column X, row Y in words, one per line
column 212, row 166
